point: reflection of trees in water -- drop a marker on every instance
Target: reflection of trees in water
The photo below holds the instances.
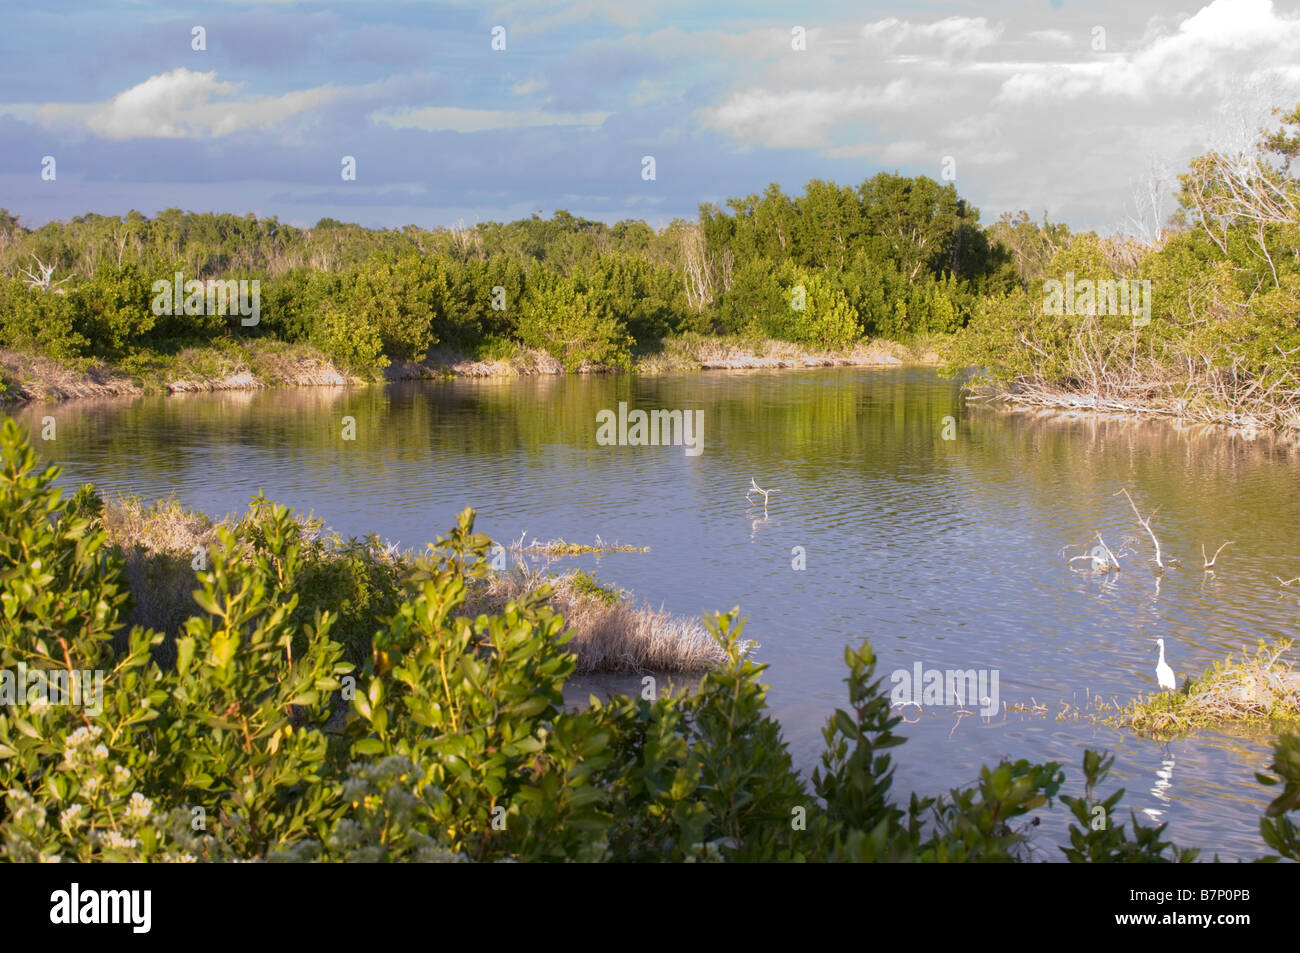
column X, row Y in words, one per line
column 816, row 419
column 819, row 427
column 1209, row 483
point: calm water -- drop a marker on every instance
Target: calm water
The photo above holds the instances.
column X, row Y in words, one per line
column 942, row 552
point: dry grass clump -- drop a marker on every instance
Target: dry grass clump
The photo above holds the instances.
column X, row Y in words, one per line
column 275, row 363
column 32, row 377
column 611, row 635
column 166, row 526
column 692, row 352
column 158, row 544
column 238, row 366
column 1260, row 690
column 442, row 363
column 562, row 547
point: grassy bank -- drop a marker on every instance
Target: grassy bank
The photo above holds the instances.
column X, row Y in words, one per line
column 210, row 367
column 259, row 363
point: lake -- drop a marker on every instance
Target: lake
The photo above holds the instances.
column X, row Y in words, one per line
column 944, row 553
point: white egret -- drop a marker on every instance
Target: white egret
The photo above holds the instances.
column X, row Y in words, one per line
column 1164, row 674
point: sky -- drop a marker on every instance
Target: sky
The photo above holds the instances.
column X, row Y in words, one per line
column 1082, row 111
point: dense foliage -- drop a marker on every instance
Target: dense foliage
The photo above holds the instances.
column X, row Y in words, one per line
column 255, row 736
column 896, row 257
column 1224, row 320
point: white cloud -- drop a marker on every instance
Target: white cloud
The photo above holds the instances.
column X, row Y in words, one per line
column 456, row 119
column 181, row 104
column 804, row 118
column 1034, row 116
column 1208, row 49
column 952, row 35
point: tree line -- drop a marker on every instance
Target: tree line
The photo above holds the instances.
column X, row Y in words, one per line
column 895, row 257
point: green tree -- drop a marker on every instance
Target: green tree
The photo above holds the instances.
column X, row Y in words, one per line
column 827, row 321
column 404, row 300
column 566, row 324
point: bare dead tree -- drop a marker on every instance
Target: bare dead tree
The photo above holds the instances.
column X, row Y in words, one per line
column 1150, row 195
column 467, row 242
column 1209, row 561
column 728, row 263
column 45, row 282
column 1146, row 525
column 697, row 270
column 1238, row 183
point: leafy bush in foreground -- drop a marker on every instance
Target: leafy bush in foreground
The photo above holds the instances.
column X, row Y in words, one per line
column 450, row 741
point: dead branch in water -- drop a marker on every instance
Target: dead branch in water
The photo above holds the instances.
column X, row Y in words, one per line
column 755, row 488
column 1102, row 558
column 1209, row 562
column 1146, row 524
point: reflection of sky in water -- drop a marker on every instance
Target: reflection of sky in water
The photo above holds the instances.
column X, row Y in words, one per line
column 947, row 553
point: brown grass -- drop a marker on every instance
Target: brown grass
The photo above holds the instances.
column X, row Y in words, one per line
column 246, row 366
column 562, row 547
column 158, row 543
column 710, row 353
column 611, row 635
column 261, row 363
column 444, row 363
column 29, row 377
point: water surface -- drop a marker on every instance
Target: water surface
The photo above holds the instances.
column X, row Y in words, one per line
column 943, row 552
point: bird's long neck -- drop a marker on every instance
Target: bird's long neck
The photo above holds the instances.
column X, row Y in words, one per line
column 1162, row 655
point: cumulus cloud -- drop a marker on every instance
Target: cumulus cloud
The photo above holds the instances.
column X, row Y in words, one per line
column 1037, row 112
column 180, row 104
column 1207, row 50
column 805, row 117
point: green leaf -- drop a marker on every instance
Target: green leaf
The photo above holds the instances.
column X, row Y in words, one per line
column 184, row 654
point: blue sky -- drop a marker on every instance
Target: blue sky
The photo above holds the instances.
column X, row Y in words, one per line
column 1031, row 108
